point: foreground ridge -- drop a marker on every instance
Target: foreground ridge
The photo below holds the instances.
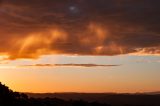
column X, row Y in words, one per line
column 10, row 98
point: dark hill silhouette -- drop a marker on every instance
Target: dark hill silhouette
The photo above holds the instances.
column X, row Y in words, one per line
column 114, row 99
column 10, row 98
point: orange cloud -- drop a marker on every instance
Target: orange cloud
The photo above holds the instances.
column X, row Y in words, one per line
column 30, row 29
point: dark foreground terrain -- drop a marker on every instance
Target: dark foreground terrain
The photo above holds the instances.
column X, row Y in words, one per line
column 10, row 98
column 139, row 99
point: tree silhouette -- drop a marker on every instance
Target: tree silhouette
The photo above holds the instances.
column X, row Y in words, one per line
column 10, row 98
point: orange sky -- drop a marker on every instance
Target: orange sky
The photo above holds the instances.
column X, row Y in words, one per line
column 80, row 45
column 132, row 74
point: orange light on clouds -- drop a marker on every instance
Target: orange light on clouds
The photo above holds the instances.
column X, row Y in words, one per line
column 94, row 35
column 36, row 44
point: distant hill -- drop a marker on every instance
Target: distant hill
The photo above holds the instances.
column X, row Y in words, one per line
column 10, row 98
column 153, row 93
column 138, row 99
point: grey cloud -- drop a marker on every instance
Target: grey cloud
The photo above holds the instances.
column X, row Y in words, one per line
column 97, row 27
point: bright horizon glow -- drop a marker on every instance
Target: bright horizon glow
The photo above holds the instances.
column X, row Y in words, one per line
column 135, row 74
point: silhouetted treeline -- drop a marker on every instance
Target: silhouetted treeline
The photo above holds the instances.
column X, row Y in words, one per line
column 114, row 99
column 10, row 98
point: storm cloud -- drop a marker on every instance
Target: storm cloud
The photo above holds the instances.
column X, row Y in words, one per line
column 31, row 28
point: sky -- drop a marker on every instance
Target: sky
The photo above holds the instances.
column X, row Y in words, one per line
column 80, row 45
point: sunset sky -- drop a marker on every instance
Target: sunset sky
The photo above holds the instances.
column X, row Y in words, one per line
column 80, row 45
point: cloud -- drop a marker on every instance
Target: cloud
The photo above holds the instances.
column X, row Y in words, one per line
column 68, row 65
column 31, row 28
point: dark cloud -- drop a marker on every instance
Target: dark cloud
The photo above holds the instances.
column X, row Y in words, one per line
column 68, row 65
column 30, row 28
